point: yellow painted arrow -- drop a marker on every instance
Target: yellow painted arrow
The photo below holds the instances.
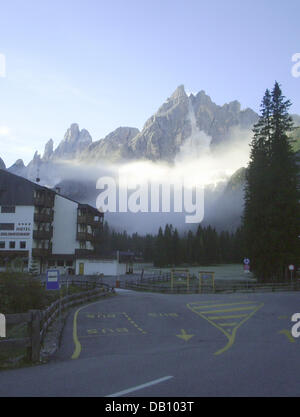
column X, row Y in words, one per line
column 184, row 335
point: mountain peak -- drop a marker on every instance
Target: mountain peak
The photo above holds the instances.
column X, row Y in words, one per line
column 48, row 151
column 72, row 133
column 18, row 168
column 179, row 92
column 19, row 163
column 74, row 142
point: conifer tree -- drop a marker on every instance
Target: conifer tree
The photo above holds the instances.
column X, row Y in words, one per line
column 271, row 211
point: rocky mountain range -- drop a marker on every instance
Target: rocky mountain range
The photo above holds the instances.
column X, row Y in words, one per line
column 181, row 120
column 161, row 138
column 167, row 130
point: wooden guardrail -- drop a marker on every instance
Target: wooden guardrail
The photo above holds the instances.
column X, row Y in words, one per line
column 39, row 321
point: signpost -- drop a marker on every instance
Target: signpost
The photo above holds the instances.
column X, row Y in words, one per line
column 53, row 284
column 52, row 279
column 246, row 265
column 292, row 268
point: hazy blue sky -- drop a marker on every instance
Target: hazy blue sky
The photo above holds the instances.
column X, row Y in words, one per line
column 105, row 64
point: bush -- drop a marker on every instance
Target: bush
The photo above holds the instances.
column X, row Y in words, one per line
column 20, row 293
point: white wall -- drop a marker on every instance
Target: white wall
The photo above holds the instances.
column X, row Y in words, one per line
column 106, row 267
column 64, row 226
column 23, row 221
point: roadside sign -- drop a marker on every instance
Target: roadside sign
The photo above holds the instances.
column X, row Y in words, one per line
column 246, row 261
column 291, row 267
column 52, row 279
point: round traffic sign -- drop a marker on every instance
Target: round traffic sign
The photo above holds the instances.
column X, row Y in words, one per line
column 246, row 261
column 291, row 267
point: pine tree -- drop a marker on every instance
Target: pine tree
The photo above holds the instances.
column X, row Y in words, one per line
column 257, row 181
column 176, row 251
column 271, row 211
column 284, row 211
column 160, row 253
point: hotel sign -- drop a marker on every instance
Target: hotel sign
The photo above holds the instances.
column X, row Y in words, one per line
column 21, row 230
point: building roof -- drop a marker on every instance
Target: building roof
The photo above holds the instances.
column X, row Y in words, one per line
column 91, row 209
column 16, row 190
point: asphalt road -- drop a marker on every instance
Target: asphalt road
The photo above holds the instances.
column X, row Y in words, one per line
column 142, row 344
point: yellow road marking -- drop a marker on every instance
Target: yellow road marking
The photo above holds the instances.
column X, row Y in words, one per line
column 101, row 315
column 134, row 323
column 287, row 333
column 184, row 335
column 163, row 314
column 230, row 334
column 222, row 305
column 92, row 331
column 204, row 302
column 227, row 310
column 227, row 324
column 77, row 344
column 231, row 316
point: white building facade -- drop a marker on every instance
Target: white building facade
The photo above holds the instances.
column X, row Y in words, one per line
column 40, row 229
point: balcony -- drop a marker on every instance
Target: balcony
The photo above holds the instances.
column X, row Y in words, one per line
column 43, row 201
column 44, row 217
column 43, row 234
column 41, row 252
column 85, row 236
column 89, row 220
column 84, row 252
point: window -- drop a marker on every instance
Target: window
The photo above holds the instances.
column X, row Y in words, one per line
column 7, row 226
column 51, row 263
column 22, row 245
column 8, row 209
column 60, row 263
column 12, row 245
column 69, row 263
column 2, row 245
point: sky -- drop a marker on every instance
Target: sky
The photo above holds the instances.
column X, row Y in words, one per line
column 105, row 64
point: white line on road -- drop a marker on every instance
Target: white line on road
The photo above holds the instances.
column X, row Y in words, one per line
column 148, row 384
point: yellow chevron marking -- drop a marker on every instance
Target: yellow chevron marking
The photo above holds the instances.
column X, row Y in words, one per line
column 227, row 310
column 221, row 325
column 231, row 316
column 222, row 305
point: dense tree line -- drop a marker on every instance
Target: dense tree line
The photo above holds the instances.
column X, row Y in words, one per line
column 169, row 247
column 271, row 222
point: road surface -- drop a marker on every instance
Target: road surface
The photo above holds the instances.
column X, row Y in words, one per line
column 144, row 344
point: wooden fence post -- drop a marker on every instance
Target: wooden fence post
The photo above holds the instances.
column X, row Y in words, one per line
column 35, row 335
